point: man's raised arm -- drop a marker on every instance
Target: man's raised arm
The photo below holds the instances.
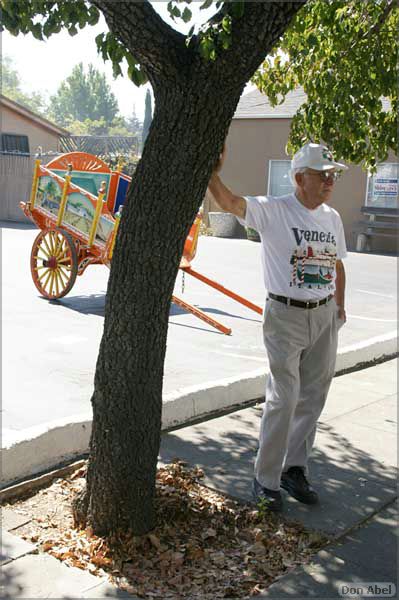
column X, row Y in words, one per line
column 224, row 197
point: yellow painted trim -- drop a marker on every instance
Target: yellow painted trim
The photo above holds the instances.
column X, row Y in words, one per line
column 97, row 213
column 61, row 210
column 35, row 184
column 115, row 233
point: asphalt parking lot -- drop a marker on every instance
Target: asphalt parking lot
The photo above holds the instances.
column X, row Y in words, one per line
column 50, row 349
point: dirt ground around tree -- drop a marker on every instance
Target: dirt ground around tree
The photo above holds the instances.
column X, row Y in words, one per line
column 205, row 545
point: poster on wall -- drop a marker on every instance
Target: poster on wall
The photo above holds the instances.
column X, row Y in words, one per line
column 383, row 187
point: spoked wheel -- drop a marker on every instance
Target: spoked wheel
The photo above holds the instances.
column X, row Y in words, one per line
column 54, row 263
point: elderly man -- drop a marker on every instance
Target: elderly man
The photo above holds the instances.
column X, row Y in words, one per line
column 303, row 246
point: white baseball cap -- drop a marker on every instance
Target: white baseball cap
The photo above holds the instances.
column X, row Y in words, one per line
column 315, row 156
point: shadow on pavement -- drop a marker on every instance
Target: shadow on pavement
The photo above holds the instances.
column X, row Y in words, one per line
column 17, row 225
column 215, row 311
column 351, row 483
column 94, row 304
column 11, row 580
column 367, row 555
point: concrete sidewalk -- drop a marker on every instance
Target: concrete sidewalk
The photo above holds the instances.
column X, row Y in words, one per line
column 353, row 464
column 353, row 468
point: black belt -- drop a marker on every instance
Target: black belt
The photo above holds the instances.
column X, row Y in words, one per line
column 298, row 303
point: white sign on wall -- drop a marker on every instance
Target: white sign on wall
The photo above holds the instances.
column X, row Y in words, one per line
column 382, row 189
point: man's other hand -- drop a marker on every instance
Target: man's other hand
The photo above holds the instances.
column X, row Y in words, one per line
column 342, row 314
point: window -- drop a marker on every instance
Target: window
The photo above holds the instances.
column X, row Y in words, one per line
column 279, row 180
column 382, row 187
column 11, row 142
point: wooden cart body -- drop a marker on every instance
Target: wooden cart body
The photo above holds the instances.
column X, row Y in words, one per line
column 76, row 202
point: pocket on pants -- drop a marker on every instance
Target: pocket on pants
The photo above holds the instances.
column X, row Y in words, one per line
column 266, row 313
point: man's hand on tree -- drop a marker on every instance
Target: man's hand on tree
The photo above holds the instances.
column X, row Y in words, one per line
column 220, row 162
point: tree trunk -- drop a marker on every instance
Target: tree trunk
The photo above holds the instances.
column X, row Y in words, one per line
column 167, row 190
column 194, row 104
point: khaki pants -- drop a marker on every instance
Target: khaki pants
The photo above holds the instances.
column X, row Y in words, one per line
column 301, row 345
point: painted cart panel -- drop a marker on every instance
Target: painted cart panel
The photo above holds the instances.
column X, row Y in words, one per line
column 89, row 172
column 80, row 206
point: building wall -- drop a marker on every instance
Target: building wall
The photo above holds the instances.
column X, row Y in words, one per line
column 251, row 143
column 12, row 122
column 15, row 185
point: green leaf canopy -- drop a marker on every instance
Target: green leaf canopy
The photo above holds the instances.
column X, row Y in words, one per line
column 344, row 55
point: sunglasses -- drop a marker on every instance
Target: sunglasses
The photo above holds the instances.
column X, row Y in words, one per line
column 325, row 175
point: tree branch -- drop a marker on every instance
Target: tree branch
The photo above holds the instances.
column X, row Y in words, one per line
column 162, row 51
column 375, row 29
column 265, row 20
column 155, row 45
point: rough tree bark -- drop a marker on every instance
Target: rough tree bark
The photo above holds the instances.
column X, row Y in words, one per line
column 194, row 103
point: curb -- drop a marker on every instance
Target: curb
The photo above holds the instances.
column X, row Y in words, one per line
column 38, row 449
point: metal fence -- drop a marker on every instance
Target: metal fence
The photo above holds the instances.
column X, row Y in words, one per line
column 16, row 172
column 100, row 145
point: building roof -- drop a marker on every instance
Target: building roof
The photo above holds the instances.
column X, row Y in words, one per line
column 255, row 105
column 32, row 116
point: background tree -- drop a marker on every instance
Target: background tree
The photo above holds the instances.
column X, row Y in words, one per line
column 147, row 116
column 87, row 127
column 84, row 95
column 134, row 124
column 197, row 83
column 117, row 127
column 344, row 54
column 120, row 126
column 11, row 86
column 9, row 76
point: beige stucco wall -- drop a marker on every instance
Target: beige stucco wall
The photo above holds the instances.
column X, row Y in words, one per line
column 12, row 122
column 251, row 143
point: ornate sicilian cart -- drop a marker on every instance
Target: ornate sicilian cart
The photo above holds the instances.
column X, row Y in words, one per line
column 76, row 202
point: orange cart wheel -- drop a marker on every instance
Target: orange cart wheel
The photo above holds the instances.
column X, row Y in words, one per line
column 54, row 263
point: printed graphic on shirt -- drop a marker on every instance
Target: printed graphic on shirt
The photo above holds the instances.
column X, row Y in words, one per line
column 313, row 261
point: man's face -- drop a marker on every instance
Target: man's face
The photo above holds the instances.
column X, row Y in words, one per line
column 317, row 186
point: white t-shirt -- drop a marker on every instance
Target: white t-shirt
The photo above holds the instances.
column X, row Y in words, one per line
column 299, row 246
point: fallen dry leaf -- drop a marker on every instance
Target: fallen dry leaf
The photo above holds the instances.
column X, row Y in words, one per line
column 209, row 533
column 258, row 548
column 205, row 547
column 155, row 541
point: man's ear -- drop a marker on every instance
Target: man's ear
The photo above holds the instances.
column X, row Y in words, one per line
column 298, row 177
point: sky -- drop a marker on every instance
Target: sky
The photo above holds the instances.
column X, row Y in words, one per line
column 42, row 66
